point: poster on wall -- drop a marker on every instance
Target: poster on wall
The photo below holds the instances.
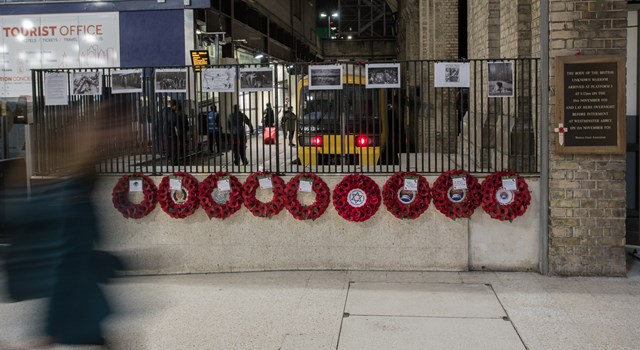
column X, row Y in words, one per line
column 382, row 75
column 126, row 81
column 501, row 79
column 171, row 80
column 451, row 74
column 56, row 92
column 325, row 77
column 87, row 83
column 28, row 42
column 256, row 79
column 218, row 79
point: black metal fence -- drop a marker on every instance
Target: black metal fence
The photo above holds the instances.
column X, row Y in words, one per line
column 424, row 116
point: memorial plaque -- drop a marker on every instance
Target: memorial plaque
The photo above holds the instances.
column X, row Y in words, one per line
column 590, row 93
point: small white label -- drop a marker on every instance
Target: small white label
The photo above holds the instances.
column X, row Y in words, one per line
column 224, row 184
column 135, row 184
column 265, row 182
column 305, row 185
column 509, row 183
column 411, row 184
column 459, row 182
column 175, row 184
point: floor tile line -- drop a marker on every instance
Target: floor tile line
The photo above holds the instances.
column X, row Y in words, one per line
column 508, row 317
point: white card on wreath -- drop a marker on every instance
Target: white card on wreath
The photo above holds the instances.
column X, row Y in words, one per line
column 175, row 184
column 411, row 184
column 224, row 184
column 459, row 182
column 135, row 184
column 305, row 186
column 265, row 182
column 509, row 183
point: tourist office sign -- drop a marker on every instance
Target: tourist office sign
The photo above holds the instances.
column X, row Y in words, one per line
column 590, row 104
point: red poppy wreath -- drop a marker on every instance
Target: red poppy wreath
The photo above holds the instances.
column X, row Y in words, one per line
column 220, row 201
column 356, row 198
column 255, row 206
column 456, row 201
column 179, row 203
column 505, row 195
column 120, row 196
column 404, row 203
column 314, row 210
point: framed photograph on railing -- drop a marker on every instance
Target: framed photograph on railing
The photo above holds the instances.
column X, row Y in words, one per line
column 126, row 81
column 451, row 74
column 256, row 79
column 218, row 79
column 501, row 79
column 171, row 80
column 87, row 83
column 383, row 75
column 325, row 77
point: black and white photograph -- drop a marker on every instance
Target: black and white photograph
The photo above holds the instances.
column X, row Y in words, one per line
column 451, row 74
column 87, row 83
column 383, row 75
column 126, row 81
column 256, row 79
column 171, row 80
column 218, row 79
column 501, row 79
column 325, row 77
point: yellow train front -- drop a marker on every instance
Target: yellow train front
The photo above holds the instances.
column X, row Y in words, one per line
column 341, row 126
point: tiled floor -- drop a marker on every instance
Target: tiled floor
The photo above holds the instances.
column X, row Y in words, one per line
column 386, row 310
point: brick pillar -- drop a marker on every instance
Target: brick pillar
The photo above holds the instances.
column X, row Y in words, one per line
column 439, row 40
column 587, row 192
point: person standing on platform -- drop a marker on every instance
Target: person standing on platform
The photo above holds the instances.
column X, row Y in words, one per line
column 288, row 123
column 213, row 129
column 236, row 123
column 268, row 118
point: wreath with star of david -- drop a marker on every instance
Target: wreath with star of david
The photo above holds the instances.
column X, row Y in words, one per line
column 356, row 198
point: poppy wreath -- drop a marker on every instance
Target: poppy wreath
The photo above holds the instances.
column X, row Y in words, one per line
column 356, row 198
column 258, row 208
column 312, row 211
column 120, row 197
column 182, row 210
column 391, row 196
column 469, row 200
column 516, row 202
column 210, row 205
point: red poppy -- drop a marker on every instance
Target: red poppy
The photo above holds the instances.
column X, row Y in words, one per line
column 256, row 207
column 415, row 208
column 356, row 209
column 210, row 205
column 463, row 207
column 169, row 198
column 507, row 211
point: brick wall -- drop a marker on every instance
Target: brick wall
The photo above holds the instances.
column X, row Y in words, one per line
column 587, row 192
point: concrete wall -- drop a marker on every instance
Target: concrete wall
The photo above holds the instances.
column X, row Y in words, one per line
column 161, row 244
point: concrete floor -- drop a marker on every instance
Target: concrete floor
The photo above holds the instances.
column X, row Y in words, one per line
column 361, row 310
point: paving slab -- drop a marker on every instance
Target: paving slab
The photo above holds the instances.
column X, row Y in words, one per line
column 423, row 299
column 419, row 333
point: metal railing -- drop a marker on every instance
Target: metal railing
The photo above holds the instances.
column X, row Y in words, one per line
column 354, row 128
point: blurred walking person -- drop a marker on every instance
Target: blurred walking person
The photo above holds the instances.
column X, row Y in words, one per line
column 52, row 233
